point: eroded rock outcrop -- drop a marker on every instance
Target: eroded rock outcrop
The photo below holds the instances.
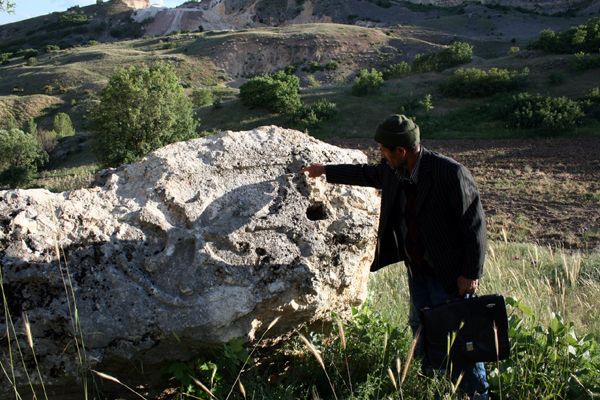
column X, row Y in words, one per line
column 201, row 242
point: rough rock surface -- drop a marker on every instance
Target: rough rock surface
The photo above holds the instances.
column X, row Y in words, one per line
column 201, row 242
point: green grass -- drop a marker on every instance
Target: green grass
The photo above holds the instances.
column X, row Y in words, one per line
column 547, row 280
column 551, row 300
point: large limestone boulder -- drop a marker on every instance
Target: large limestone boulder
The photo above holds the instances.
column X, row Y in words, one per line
column 199, row 243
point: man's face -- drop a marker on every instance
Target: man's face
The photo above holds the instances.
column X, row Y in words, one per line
column 395, row 158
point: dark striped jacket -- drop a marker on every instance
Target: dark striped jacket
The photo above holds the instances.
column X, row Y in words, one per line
column 451, row 222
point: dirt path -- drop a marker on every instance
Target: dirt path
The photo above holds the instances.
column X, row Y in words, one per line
column 533, row 190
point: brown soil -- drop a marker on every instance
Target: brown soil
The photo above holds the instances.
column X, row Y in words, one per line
column 545, row 191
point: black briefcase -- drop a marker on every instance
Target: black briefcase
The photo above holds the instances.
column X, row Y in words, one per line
column 466, row 331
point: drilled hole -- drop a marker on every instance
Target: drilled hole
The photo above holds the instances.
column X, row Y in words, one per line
column 316, row 212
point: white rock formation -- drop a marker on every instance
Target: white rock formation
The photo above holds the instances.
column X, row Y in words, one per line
column 201, row 242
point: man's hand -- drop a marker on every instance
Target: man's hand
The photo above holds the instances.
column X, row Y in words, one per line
column 466, row 285
column 314, row 170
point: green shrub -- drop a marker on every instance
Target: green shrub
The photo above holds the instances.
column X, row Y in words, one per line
column 51, row 48
column 475, row 82
column 591, row 103
column 313, row 114
column 456, row 53
column 30, row 127
column 397, row 70
column 331, row 65
column 27, row 53
column 514, row 50
column 5, row 57
column 73, row 18
column 92, row 42
column 367, row 82
column 312, row 81
column 168, row 46
column 141, row 109
column 536, row 111
column 427, row 103
column 313, row 66
column 31, row 61
column 584, row 61
column 278, row 93
column 202, row 97
column 63, row 125
column 290, row 69
column 581, row 38
column 21, row 155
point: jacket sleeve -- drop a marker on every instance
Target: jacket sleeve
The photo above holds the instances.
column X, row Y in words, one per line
column 356, row 174
column 472, row 226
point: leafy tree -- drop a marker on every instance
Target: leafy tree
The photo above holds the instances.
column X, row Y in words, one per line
column 367, row 82
column 279, row 93
column 63, row 125
column 7, row 5
column 21, row 154
column 141, row 109
column 581, row 38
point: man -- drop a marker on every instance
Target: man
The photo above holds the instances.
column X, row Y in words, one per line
column 431, row 218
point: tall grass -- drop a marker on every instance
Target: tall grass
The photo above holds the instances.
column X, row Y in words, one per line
column 551, row 296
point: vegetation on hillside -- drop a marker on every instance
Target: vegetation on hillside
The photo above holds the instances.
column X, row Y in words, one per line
column 141, row 109
column 21, row 155
column 582, row 38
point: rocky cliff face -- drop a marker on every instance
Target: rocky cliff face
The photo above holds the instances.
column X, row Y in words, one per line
column 199, row 243
column 538, row 6
column 135, row 4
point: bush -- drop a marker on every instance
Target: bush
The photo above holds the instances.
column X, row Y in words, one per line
column 585, row 37
column 5, row 57
column 591, row 103
column 536, row 111
column 202, row 97
column 397, row 70
column 514, row 50
column 331, row 65
column 52, row 47
column 456, row 54
column 48, row 140
column 63, row 125
column 475, row 82
column 73, row 18
column 31, row 61
column 584, row 61
column 27, row 53
column 141, row 109
column 21, row 155
column 278, row 93
column 367, row 82
column 313, row 114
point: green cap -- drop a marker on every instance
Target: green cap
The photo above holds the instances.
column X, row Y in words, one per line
column 397, row 130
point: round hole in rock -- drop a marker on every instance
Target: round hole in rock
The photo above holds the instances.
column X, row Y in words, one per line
column 316, row 212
